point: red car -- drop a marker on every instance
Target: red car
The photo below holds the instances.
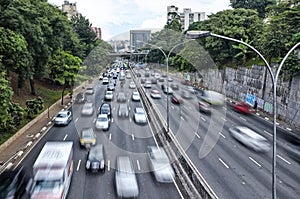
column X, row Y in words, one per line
column 242, row 107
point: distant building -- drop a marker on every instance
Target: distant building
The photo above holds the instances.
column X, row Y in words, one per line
column 186, row 17
column 138, row 38
column 70, row 9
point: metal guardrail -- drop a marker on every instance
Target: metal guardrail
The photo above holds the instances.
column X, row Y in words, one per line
column 189, row 177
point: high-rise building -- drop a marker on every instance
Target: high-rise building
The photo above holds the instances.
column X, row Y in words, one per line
column 186, row 17
column 70, row 9
column 138, row 38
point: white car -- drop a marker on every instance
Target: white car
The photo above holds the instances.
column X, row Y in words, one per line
column 105, row 80
column 147, row 84
column 135, row 96
column 140, row 115
column 63, row 118
column 125, row 178
column 132, row 85
column 109, row 95
column 87, row 109
column 160, row 165
column 155, row 94
column 102, row 122
column 250, row 138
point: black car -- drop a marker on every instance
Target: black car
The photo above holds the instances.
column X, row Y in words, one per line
column 95, row 159
column 80, row 98
column 14, row 184
column 105, row 109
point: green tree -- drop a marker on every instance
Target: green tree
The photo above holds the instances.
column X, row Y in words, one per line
column 258, row 5
column 98, row 58
column 64, row 68
column 83, row 28
column 14, row 53
column 281, row 34
column 242, row 24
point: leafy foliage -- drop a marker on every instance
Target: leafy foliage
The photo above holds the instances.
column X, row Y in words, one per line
column 258, row 5
column 34, row 106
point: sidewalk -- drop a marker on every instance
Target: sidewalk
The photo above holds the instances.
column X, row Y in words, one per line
column 21, row 143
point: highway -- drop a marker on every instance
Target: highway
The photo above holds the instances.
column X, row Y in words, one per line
column 231, row 169
column 124, row 137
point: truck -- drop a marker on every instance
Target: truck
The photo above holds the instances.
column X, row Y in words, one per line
column 53, row 170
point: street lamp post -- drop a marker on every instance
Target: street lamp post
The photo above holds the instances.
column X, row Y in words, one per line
column 167, row 62
column 197, row 34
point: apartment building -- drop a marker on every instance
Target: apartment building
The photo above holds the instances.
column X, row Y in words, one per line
column 186, row 17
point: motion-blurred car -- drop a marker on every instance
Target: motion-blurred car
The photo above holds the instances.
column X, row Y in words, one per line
column 186, row 94
column 160, row 165
column 102, row 122
column 123, row 110
column 14, row 184
column 89, row 91
column 153, row 80
column 87, row 137
column 135, row 96
column 213, row 98
column 140, row 115
column 109, row 96
column 155, row 94
column 125, row 178
column 167, row 90
column 63, row 118
column 250, row 138
column 95, row 161
column 204, row 106
column 175, row 99
column 132, row 85
column 191, row 89
column 143, row 80
column 105, row 108
column 80, row 98
column 87, row 109
column 174, row 86
column 170, row 79
column 121, row 97
column 242, row 107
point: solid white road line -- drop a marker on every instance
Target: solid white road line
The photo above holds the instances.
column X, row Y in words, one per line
column 255, row 162
column 138, row 164
column 268, row 133
column 108, row 165
column 203, row 119
column 78, row 165
column 222, row 135
column 198, row 136
column 65, row 137
column 223, row 163
column 283, row 159
column 243, row 119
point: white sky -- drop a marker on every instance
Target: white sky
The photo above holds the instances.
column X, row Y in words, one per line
column 119, row 16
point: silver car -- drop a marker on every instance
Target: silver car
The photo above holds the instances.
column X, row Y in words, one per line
column 123, row 110
column 102, row 122
column 250, row 138
column 63, row 118
column 126, row 181
column 87, row 109
column 109, row 95
column 160, row 165
column 140, row 115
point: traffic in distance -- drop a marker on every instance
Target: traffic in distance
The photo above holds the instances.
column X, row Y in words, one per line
column 103, row 145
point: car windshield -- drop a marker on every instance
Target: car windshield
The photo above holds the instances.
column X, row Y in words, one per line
column 62, row 115
column 102, row 119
